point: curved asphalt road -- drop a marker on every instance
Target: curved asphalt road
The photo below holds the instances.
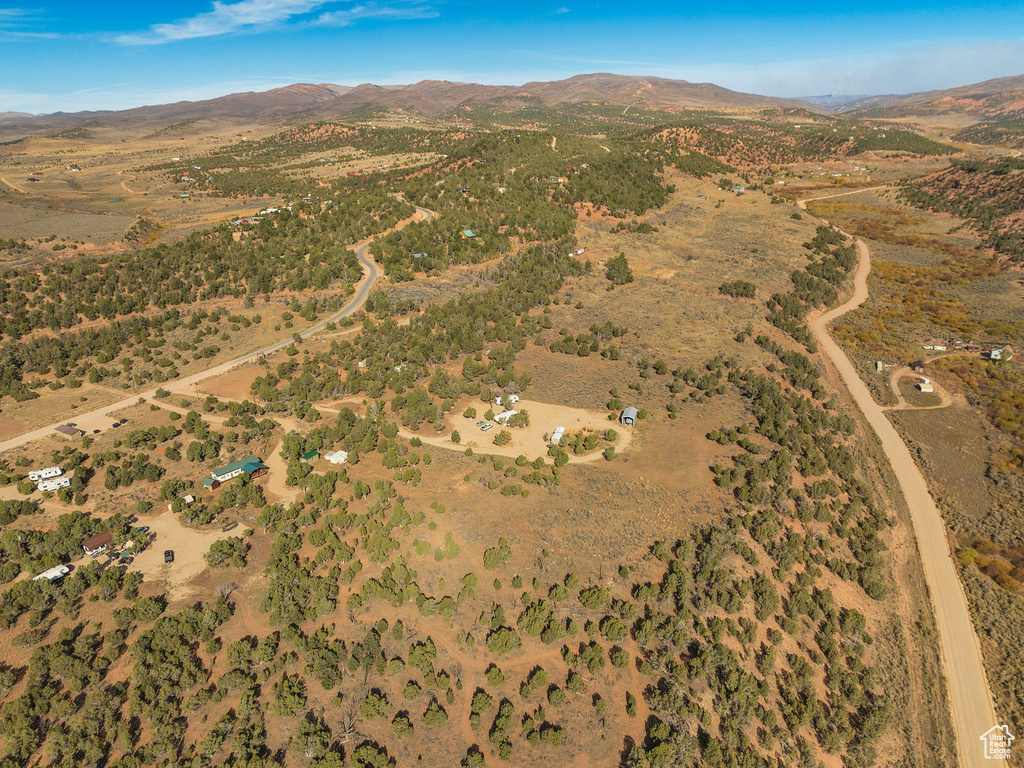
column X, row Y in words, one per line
column 101, row 419
column 970, row 697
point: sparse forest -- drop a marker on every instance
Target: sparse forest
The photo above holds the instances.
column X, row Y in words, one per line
column 401, row 592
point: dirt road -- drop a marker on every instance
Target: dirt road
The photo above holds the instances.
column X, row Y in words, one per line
column 945, row 399
column 101, row 417
column 973, row 710
column 13, row 186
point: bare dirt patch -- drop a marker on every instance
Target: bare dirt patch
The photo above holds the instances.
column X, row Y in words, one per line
column 10, row 428
column 234, row 385
column 189, row 546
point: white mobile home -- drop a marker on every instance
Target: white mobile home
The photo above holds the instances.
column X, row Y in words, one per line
column 504, row 416
column 44, row 474
column 54, row 484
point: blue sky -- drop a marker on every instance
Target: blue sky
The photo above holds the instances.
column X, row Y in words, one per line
column 111, row 54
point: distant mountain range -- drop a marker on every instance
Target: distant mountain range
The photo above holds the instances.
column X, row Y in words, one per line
column 428, row 97
column 437, row 97
column 987, row 99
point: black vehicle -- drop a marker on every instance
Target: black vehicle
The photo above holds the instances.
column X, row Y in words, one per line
column 168, row 555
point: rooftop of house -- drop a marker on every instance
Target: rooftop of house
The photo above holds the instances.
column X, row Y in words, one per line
column 103, row 538
column 248, row 464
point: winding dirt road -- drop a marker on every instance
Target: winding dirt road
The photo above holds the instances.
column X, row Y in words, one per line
column 15, row 187
column 101, row 417
column 945, row 399
column 973, row 710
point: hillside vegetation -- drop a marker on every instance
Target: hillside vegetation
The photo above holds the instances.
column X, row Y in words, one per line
column 426, row 602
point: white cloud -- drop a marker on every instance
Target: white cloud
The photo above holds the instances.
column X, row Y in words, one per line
column 20, row 25
column 258, row 15
column 345, row 17
column 223, row 19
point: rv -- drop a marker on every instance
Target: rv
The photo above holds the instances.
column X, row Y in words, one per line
column 44, row 474
column 54, row 485
column 54, row 574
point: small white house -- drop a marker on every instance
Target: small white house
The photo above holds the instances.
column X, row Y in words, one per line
column 504, row 416
column 44, row 474
column 925, row 386
column 336, row 457
column 557, row 435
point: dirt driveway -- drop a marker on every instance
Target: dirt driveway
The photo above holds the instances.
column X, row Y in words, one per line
column 526, row 441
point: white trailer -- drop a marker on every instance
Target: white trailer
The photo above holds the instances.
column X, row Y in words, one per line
column 504, row 416
column 54, row 484
column 52, row 574
column 44, row 474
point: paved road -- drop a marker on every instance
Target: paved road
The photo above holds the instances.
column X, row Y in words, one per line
column 973, row 711
column 100, row 418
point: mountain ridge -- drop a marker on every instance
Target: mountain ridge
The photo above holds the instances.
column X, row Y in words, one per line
column 426, row 97
column 327, row 101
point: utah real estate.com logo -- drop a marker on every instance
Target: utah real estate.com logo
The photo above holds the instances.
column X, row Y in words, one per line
column 997, row 742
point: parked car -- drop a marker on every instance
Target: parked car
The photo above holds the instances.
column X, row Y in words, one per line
column 126, row 559
column 168, row 555
column 142, row 528
column 485, row 427
column 116, row 424
column 480, row 423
